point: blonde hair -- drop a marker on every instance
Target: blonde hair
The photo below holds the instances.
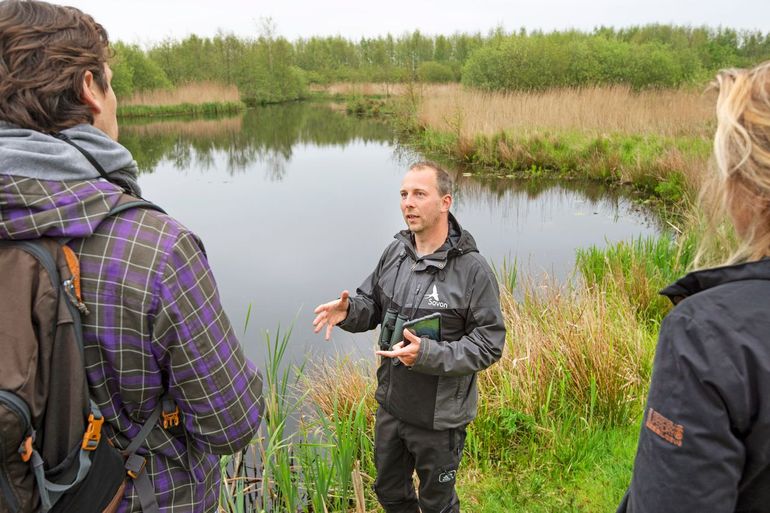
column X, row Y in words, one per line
column 742, row 160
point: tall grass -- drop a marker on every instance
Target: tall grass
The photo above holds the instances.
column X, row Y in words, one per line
column 576, row 359
column 304, row 459
column 194, row 129
column 638, row 270
column 596, row 110
column 345, row 89
column 658, row 167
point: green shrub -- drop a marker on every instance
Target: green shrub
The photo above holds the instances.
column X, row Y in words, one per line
column 574, row 59
column 432, row 71
column 133, row 71
column 264, row 74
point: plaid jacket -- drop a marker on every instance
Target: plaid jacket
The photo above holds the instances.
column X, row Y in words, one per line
column 156, row 325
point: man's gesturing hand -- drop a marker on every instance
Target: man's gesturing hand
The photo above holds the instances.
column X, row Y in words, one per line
column 406, row 353
column 331, row 314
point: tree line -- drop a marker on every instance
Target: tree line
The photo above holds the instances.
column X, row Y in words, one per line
column 270, row 68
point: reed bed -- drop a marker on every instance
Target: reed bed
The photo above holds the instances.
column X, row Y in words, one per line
column 657, row 142
column 309, row 456
column 193, row 93
column 595, row 110
column 577, row 361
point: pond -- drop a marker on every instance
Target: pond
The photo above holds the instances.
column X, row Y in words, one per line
column 296, row 203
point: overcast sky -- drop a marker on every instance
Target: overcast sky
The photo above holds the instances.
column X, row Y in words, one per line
column 149, row 21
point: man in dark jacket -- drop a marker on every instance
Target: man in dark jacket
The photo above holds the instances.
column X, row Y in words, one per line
column 426, row 388
column 156, row 326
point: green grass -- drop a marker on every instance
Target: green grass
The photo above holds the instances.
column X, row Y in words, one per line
column 586, row 471
column 639, row 269
column 209, row 108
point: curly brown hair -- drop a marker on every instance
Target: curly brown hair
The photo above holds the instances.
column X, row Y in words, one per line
column 45, row 52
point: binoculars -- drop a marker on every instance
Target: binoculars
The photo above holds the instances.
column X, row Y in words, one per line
column 391, row 329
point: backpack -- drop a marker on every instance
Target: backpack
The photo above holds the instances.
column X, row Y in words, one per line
column 53, row 456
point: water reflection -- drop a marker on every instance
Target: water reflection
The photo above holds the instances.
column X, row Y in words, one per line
column 266, row 135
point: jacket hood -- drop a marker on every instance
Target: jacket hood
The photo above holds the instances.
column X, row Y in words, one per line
column 25, row 152
column 459, row 241
column 699, row 281
column 49, row 188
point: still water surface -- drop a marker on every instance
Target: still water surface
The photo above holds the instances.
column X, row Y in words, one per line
column 296, row 203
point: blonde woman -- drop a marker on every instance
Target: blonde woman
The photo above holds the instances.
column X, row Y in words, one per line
column 705, row 439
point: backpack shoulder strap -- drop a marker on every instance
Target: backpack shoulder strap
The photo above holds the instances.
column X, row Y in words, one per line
column 128, row 202
column 136, row 465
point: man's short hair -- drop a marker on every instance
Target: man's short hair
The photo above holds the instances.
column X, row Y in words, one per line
column 443, row 180
column 45, row 51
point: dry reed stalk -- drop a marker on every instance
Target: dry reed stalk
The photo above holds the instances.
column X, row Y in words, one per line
column 236, row 472
column 590, row 109
column 340, row 385
column 358, row 488
column 195, row 93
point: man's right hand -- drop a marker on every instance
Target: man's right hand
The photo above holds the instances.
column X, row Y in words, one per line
column 331, row 314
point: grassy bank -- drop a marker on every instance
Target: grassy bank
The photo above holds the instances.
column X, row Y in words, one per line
column 199, row 99
column 181, row 109
column 657, row 142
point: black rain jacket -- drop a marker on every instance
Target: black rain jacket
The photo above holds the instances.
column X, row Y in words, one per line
column 439, row 391
column 705, row 440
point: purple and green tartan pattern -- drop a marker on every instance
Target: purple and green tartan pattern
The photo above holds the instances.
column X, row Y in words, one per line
column 156, row 324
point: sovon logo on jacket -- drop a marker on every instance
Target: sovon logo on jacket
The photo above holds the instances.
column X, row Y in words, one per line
column 433, row 299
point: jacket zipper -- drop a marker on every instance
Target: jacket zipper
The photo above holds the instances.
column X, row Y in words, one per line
column 16, row 405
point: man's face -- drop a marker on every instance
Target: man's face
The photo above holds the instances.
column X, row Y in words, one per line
column 106, row 120
column 421, row 203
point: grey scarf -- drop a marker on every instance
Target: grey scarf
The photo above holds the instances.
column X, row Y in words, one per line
column 33, row 154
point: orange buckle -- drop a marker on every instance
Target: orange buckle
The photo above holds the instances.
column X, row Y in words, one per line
column 93, row 433
column 171, row 419
column 26, row 446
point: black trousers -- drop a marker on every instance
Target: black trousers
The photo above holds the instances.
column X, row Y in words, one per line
column 399, row 450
